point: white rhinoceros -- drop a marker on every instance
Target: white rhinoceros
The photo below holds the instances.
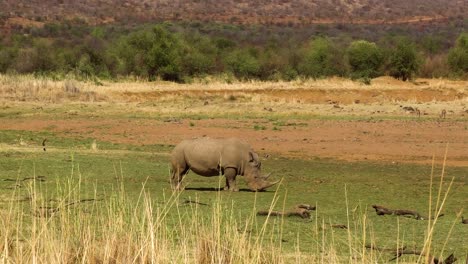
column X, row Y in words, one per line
column 214, row 157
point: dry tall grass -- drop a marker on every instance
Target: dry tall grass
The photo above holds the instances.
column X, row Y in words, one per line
column 31, row 88
column 334, row 96
column 123, row 231
column 42, row 89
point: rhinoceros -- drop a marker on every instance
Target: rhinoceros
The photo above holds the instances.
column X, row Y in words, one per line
column 214, row 157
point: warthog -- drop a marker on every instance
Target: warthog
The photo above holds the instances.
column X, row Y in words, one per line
column 214, row 157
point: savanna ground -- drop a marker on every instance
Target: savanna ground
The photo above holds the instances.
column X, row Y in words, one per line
column 336, row 144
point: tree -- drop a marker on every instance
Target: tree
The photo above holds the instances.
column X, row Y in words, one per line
column 151, row 53
column 243, row 64
column 365, row 59
column 274, row 63
column 432, row 44
column 199, row 55
column 458, row 56
column 404, row 60
column 321, row 59
column 7, row 55
column 164, row 56
column 93, row 58
column 40, row 58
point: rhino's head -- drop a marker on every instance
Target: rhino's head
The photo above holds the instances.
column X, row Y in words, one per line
column 252, row 174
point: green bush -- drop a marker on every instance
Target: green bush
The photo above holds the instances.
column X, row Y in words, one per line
column 199, row 56
column 432, row 44
column 39, row 58
column 151, row 53
column 243, row 64
column 322, row 59
column 85, row 68
column 458, row 56
column 365, row 59
column 404, row 60
column 274, row 65
column 7, row 55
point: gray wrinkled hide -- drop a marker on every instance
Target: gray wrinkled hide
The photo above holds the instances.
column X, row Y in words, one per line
column 214, row 157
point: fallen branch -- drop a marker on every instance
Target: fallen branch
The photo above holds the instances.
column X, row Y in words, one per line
column 307, row 207
column 385, row 249
column 301, row 210
column 303, row 213
column 37, row 178
column 403, row 251
column 82, row 201
column 188, row 201
column 340, row 226
column 19, row 199
column 380, row 210
column 46, row 211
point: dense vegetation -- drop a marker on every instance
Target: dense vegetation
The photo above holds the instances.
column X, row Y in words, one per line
column 179, row 53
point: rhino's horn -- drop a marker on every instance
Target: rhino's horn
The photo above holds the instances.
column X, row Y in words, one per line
column 269, row 184
column 267, row 176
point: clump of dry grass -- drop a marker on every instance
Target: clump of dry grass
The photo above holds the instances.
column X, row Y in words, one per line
column 42, row 89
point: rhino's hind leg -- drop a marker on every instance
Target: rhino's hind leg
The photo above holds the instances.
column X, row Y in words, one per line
column 230, row 174
column 177, row 174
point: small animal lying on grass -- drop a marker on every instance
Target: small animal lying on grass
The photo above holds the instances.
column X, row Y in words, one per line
column 214, row 157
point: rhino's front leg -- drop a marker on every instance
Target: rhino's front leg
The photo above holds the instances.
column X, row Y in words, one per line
column 177, row 176
column 230, row 174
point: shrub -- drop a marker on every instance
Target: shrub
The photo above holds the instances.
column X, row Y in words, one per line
column 24, row 62
column 432, row 44
column 151, row 53
column 435, row 67
column 164, row 56
column 404, row 60
column 322, row 58
column 243, row 64
column 85, row 67
column 289, row 74
column 458, row 56
column 199, row 56
column 365, row 59
column 7, row 55
column 39, row 58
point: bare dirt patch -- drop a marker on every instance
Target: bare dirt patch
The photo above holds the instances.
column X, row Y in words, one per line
column 389, row 141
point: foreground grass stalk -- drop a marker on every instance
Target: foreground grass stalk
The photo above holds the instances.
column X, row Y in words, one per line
column 349, row 226
column 437, row 210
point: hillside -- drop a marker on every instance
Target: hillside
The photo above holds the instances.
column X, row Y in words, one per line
column 20, row 13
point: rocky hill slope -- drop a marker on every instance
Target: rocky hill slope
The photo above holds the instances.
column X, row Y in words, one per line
column 267, row 12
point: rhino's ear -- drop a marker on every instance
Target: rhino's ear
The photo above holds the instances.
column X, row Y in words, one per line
column 253, row 158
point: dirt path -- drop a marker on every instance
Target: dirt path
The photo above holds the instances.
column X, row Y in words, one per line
column 388, row 141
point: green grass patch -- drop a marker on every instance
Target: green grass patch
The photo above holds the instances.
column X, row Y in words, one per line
column 259, row 127
column 73, row 142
